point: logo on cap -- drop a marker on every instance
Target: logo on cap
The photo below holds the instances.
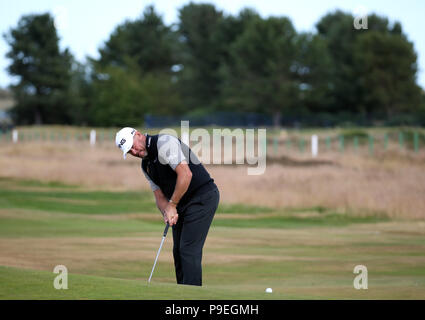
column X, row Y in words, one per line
column 121, row 143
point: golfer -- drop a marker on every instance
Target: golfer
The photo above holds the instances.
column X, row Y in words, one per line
column 185, row 194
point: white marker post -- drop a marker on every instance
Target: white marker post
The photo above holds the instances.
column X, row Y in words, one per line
column 92, row 137
column 15, row 136
column 314, row 145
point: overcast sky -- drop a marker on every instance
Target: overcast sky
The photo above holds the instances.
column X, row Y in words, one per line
column 84, row 25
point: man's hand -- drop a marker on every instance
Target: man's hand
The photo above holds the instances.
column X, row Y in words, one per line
column 168, row 209
column 163, row 205
column 164, row 216
column 171, row 216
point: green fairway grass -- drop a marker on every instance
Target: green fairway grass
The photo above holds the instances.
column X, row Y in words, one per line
column 24, row 284
column 108, row 242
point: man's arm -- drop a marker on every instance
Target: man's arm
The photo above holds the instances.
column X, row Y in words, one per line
column 168, row 209
column 161, row 202
column 184, row 176
column 171, row 153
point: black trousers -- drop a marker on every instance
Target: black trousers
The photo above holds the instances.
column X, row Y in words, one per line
column 189, row 234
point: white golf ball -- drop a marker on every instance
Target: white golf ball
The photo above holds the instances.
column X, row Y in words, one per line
column 269, row 290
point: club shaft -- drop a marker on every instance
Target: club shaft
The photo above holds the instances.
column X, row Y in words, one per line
column 159, row 250
column 156, row 259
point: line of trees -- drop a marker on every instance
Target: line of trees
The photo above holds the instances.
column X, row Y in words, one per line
column 210, row 61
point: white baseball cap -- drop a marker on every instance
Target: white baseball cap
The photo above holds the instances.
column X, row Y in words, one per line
column 124, row 139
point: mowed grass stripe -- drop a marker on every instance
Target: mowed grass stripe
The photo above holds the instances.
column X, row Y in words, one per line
column 74, row 227
column 55, row 197
column 114, row 203
column 82, row 202
column 37, row 224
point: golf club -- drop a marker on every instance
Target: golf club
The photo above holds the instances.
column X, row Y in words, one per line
column 159, row 250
